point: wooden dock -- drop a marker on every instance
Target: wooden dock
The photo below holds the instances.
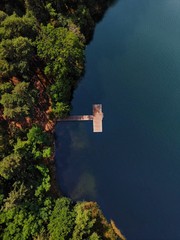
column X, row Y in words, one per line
column 97, row 118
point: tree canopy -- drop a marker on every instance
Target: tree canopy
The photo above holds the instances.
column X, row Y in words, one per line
column 18, row 103
column 16, row 57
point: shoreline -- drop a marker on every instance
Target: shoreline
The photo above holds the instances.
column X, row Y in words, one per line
column 42, row 63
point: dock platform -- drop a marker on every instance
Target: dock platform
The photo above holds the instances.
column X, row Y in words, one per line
column 97, row 118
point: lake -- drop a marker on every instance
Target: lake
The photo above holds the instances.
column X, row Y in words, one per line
column 132, row 169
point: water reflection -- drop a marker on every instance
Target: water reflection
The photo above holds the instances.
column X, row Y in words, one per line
column 73, row 173
column 86, row 187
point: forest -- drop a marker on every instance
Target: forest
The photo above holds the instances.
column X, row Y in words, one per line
column 42, row 60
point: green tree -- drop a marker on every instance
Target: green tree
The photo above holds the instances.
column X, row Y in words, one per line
column 60, row 49
column 3, row 16
column 62, row 220
column 38, row 9
column 40, row 142
column 6, row 87
column 84, row 222
column 9, row 165
column 91, row 224
column 22, row 147
column 22, row 222
column 16, row 58
column 18, row 103
column 36, row 145
column 61, row 110
column 45, row 182
column 37, row 136
column 63, row 54
column 15, row 196
column 4, row 139
column 14, row 26
column 95, row 236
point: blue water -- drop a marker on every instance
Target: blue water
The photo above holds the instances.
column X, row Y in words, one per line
column 132, row 169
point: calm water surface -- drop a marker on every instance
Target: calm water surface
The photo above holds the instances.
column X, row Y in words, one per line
column 132, row 169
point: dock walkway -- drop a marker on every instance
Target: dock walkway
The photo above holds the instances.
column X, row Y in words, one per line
column 97, row 118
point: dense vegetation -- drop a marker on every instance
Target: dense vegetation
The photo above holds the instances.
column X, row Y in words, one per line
column 41, row 61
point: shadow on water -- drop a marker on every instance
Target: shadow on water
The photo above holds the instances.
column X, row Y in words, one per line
column 97, row 16
column 74, row 175
column 106, row 5
column 62, row 141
